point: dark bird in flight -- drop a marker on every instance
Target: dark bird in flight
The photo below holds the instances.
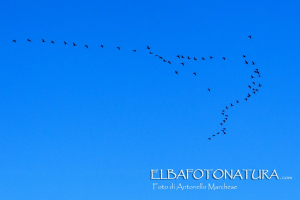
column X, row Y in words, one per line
column 43, row 40
column 164, row 60
column 195, row 58
column 224, row 132
column 118, row 48
column 188, row 57
column 169, row 62
column 203, row 58
column 254, row 92
column 224, row 129
column 231, row 105
column 224, row 121
column 244, row 56
column 250, row 36
column 156, row 55
column 134, row 50
column 151, row 52
column 249, row 95
column 182, row 56
column 226, row 107
column 221, row 124
column 253, row 83
column 252, row 76
column 223, row 110
column 182, row 64
column 258, row 75
column 178, row 56
column 208, row 89
column 14, row 41
column 52, row 41
column 223, row 58
column 218, row 133
column 253, row 63
column 28, row 40
column 65, row 43
column 101, row 46
column 210, row 57
column 148, row 47
column 246, row 62
column 213, row 135
column 253, row 88
column 226, row 115
column 222, row 113
column 160, row 57
column 249, row 86
column 209, row 138
column 176, row 72
column 195, row 73
column 74, row 44
column 86, row 46
column 259, row 85
column 237, row 101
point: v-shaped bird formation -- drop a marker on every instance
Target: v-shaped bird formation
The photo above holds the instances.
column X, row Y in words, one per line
column 253, row 86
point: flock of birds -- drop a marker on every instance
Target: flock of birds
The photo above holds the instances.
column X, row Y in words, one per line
column 252, row 86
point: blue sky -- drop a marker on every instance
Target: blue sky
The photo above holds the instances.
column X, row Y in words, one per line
column 80, row 123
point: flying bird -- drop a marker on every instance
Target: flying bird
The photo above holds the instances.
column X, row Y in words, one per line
column 151, row 52
column 65, row 43
column 28, row 40
column 52, row 41
column 101, row 46
column 253, row 63
column 203, row 58
column 176, row 72
column 14, row 41
column 253, row 83
column 208, row 89
column 74, row 44
column 231, row 105
column 237, row 101
column 43, row 40
column 246, row 62
column 250, row 36
column 259, row 85
column 244, row 56
column 249, row 95
column 188, row 57
column 212, row 57
column 195, row 73
column 182, row 56
column 209, row 138
column 226, row 115
column 226, row 107
column 182, row 64
column 252, row 76
column 169, row 62
column 148, row 47
column 118, row 48
column 223, row 58
column 178, row 56
column 134, row 50
column 249, row 86
column 86, row 46
column 195, row 58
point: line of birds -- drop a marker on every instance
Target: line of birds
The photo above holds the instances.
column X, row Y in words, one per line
column 251, row 87
column 254, row 90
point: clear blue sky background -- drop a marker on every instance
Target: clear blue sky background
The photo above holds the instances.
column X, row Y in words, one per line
column 81, row 123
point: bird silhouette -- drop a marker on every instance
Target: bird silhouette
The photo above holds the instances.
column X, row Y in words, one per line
column 224, row 121
column 74, row 44
column 52, row 41
column 250, row 36
column 195, row 58
column 223, row 58
column 259, row 85
column 164, row 60
column 246, row 62
column 182, row 56
column 65, row 43
column 221, row 124
column 209, row 138
column 253, row 63
column 169, row 62
column 14, row 41
column 203, row 58
column 252, row 76
column 151, row 52
column 195, row 73
column 222, row 113
column 249, row 95
column 148, row 47
column 231, row 105
column 253, row 83
column 226, row 115
column 43, row 40
column 208, row 89
column 28, row 40
column 188, row 57
column 101, row 46
column 226, row 107
column 237, row 101
column 134, row 50
column 212, row 57
column 213, row 135
column 176, row 72
column 86, row 46
column 249, row 86
column 119, row 48
column 178, row 56
column 218, row 133
column 182, row 64
column 244, row 56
